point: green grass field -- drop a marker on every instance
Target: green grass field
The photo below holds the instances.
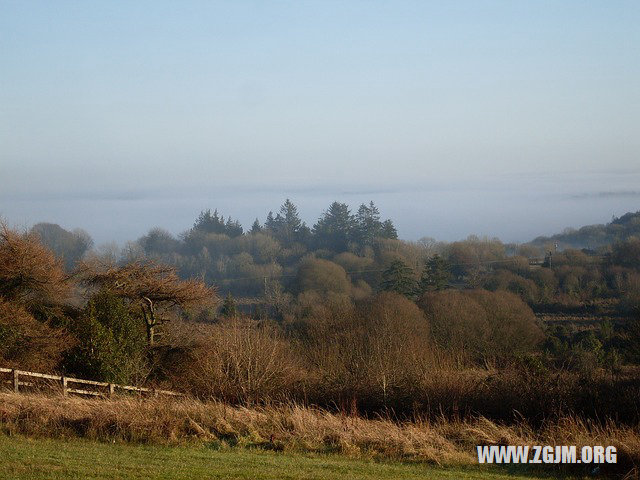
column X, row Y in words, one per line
column 24, row 458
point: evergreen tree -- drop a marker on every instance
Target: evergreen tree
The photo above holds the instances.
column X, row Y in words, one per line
column 214, row 223
column 209, row 223
column 367, row 224
column 270, row 223
column 335, row 228
column 389, row 230
column 229, row 308
column 256, row 228
column 435, row 275
column 399, row 278
column 287, row 226
column 289, row 213
column 233, row 228
column 112, row 345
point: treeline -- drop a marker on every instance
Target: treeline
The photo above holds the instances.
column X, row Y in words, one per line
column 219, row 251
column 279, row 268
column 342, row 314
column 595, row 237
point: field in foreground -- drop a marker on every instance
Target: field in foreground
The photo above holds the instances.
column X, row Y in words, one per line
column 51, row 436
column 24, row 458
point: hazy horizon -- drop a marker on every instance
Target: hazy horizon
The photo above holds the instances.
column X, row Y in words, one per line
column 518, row 217
column 492, row 118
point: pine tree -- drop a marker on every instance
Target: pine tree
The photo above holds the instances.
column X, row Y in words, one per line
column 435, row 275
column 209, row 223
column 335, row 228
column 289, row 212
column 214, row 223
column 229, row 308
column 399, row 278
column 287, row 224
column 389, row 230
column 256, row 228
column 270, row 223
column 233, row 228
column 367, row 224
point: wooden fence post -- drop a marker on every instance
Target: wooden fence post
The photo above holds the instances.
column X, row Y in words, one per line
column 98, row 388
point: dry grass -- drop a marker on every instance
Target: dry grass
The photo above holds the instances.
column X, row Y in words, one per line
column 292, row 428
column 287, row 427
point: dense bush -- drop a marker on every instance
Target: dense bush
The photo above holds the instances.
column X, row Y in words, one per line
column 373, row 353
column 111, row 342
column 238, row 360
column 322, row 276
column 27, row 343
column 481, row 325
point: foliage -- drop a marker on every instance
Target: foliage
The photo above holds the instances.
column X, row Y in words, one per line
column 435, row 274
column 505, row 280
column 240, row 360
column 334, row 229
column 321, row 276
column 311, row 293
column 287, row 226
column 229, row 308
column 472, row 258
column 399, row 278
column 627, row 253
column 111, row 342
column 370, row 352
column 212, row 223
column 158, row 242
column 368, row 226
column 595, row 236
column 30, row 274
column 27, row 343
column 152, row 288
column 481, row 325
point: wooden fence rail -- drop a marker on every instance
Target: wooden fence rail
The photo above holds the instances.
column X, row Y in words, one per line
column 68, row 384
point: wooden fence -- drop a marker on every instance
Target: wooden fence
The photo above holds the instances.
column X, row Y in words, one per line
column 70, row 385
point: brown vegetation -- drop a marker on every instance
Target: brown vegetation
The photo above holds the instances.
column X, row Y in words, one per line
column 30, row 274
column 33, row 289
column 236, row 360
column 27, row 343
column 481, row 325
column 294, row 428
column 347, row 335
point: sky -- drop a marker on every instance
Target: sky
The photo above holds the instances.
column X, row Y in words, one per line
column 501, row 118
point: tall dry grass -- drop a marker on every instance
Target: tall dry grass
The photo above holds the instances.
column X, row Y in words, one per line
column 293, row 428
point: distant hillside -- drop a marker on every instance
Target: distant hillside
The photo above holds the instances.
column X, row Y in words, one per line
column 595, row 236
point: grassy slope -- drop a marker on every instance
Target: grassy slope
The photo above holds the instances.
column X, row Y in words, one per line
column 23, row 458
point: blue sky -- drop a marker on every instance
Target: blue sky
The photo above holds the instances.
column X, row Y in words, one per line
column 193, row 103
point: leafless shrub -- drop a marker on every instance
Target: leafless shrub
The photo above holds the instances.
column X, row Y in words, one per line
column 240, row 360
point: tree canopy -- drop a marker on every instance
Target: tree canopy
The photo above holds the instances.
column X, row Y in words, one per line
column 399, row 278
column 30, row 274
column 153, row 288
